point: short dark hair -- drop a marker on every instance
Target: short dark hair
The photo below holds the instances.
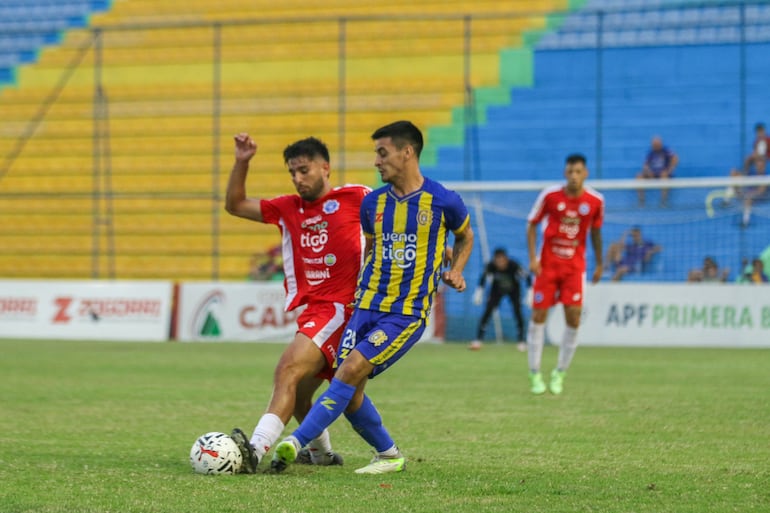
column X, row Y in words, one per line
column 402, row 133
column 500, row 251
column 574, row 158
column 309, row 147
column 759, row 126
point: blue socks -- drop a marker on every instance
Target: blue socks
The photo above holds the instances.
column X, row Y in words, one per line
column 325, row 411
column 331, row 404
column 368, row 423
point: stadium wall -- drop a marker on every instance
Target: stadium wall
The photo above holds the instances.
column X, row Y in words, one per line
column 615, row 314
column 653, row 314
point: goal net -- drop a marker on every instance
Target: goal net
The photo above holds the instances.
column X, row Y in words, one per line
column 727, row 219
column 702, row 217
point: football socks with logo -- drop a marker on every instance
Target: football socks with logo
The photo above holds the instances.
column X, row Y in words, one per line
column 327, row 408
column 368, row 423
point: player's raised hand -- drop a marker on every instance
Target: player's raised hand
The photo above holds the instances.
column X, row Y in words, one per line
column 245, row 147
column 454, row 279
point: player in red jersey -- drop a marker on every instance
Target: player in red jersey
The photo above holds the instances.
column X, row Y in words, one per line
column 322, row 245
column 568, row 212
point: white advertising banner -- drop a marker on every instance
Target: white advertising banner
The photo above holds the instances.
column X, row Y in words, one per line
column 240, row 312
column 85, row 309
column 682, row 314
column 246, row 312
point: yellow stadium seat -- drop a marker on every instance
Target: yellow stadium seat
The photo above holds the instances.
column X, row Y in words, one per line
column 145, row 171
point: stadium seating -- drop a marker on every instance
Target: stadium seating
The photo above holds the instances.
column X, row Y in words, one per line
column 157, row 144
column 673, row 72
column 162, row 147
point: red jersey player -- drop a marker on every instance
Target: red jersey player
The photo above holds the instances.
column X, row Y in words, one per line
column 322, row 245
column 569, row 212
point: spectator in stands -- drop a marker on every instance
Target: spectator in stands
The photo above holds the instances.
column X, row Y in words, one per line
column 266, row 267
column 754, row 165
column 659, row 164
column 709, row 273
column 759, row 150
column 765, row 257
column 631, row 254
column 754, row 273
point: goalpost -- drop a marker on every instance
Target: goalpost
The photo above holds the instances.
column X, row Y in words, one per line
column 702, row 217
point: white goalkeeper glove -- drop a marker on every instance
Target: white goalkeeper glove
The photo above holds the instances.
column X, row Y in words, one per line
column 478, row 296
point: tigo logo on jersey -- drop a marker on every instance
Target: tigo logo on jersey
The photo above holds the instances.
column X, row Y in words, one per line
column 570, row 226
column 314, row 241
column 400, row 248
column 319, row 236
column 378, row 338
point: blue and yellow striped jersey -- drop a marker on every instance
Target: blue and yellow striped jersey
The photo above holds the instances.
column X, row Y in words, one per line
column 409, row 234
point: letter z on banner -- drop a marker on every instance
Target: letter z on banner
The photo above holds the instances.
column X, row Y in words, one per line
column 93, row 310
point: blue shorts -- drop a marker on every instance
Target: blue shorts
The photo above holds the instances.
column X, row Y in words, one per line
column 381, row 337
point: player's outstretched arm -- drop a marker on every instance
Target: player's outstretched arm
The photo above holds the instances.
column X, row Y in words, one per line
column 461, row 252
column 236, row 201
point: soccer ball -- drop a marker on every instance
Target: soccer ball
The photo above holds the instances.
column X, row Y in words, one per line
column 215, row 453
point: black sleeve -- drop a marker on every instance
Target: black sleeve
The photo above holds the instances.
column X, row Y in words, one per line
column 521, row 273
column 483, row 279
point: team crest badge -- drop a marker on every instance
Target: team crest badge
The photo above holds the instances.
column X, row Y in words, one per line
column 561, row 206
column 331, row 206
column 378, row 338
column 584, row 209
column 330, row 259
column 424, row 217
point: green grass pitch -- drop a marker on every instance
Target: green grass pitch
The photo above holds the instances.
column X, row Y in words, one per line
column 97, row 427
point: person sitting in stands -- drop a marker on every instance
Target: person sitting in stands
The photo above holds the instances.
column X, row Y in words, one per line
column 631, row 256
column 710, row 272
column 659, row 164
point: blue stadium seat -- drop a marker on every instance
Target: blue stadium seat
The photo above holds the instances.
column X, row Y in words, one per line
column 7, row 75
column 26, row 26
column 758, row 33
column 579, row 22
column 758, row 13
